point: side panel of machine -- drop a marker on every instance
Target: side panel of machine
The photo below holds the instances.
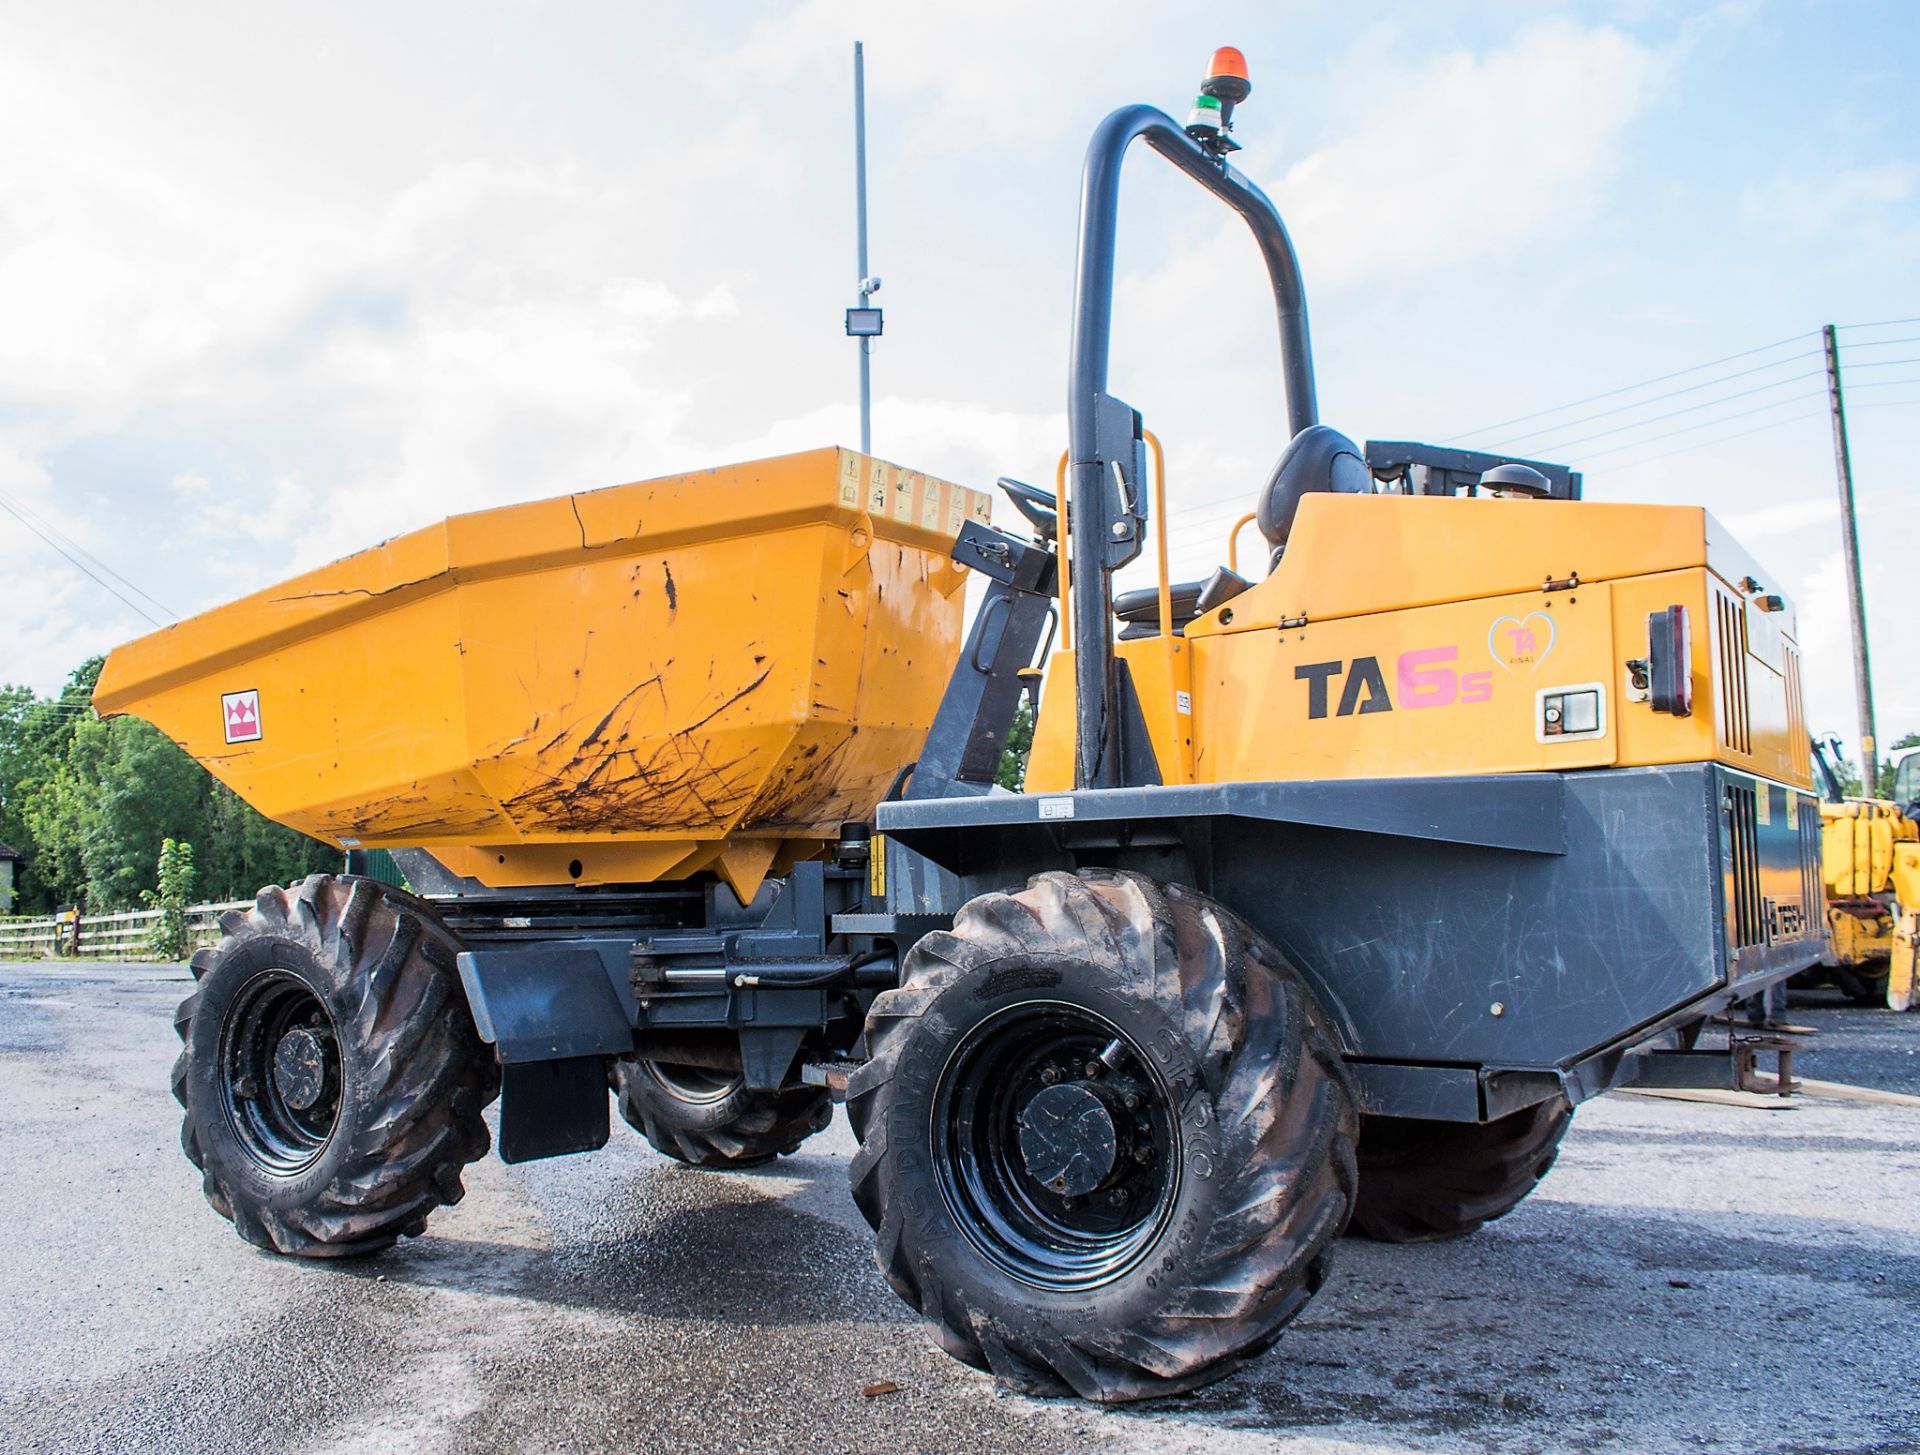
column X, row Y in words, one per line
column 1429, row 945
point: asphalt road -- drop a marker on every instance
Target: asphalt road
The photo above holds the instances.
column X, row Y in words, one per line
column 1690, row 1277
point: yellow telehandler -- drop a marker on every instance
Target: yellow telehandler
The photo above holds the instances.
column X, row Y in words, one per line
column 1870, row 867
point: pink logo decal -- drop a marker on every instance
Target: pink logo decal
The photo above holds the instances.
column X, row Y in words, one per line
column 1521, row 642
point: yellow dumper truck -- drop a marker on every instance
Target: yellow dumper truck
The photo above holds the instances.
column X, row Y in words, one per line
column 1333, row 890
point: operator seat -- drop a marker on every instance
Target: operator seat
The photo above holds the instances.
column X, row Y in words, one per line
column 1319, row 458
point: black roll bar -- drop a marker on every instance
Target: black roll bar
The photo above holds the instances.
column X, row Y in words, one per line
column 1098, row 446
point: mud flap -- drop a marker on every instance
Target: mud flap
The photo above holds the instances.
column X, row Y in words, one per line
column 551, row 1108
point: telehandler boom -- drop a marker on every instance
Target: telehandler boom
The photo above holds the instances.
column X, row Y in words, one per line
column 1334, row 888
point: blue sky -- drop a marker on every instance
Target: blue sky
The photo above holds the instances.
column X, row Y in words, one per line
column 276, row 284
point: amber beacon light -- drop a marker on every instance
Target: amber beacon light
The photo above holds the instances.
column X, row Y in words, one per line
column 1211, row 121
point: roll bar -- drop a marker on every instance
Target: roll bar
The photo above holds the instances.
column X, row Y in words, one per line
column 1106, row 461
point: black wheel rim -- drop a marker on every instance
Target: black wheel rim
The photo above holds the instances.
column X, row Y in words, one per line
column 694, row 1085
column 1102, row 1214
column 280, row 1072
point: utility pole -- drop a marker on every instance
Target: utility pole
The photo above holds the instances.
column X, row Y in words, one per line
column 1850, row 547
column 864, row 320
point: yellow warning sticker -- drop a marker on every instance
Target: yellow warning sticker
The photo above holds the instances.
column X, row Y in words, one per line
column 905, row 489
column 850, row 480
column 1793, row 809
column 1762, row 803
column 879, row 487
column 877, row 866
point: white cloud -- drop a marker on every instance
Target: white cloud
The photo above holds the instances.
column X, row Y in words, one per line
column 1786, row 519
column 1469, row 158
column 987, row 69
column 1812, row 200
column 973, row 444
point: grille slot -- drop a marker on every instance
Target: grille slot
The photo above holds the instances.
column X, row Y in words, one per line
column 1730, row 657
column 1799, row 750
column 1747, row 917
column 1812, row 883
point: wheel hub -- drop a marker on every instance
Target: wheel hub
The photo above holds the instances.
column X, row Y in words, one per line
column 1056, row 1145
column 280, row 1072
column 1068, row 1140
column 300, row 1068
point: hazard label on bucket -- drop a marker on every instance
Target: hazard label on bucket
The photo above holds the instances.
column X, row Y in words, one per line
column 242, row 713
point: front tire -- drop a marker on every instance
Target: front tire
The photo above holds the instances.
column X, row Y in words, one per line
column 331, row 1075
column 1107, row 1142
column 1427, row 1181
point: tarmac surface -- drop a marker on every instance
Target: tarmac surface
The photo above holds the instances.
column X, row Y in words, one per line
column 1690, row 1277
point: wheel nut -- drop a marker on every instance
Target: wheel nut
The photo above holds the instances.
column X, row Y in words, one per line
column 1131, row 1101
column 246, row 1087
column 1118, row 1197
column 1050, row 1075
column 1059, row 1184
column 1143, row 1152
column 1094, row 1068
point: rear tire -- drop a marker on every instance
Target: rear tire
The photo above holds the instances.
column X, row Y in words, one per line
column 1426, row 1181
column 331, row 1075
column 1107, row 1141
column 712, row 1119
column 1862, row 987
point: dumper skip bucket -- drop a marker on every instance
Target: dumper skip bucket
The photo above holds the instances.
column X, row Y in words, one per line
column 707, row 671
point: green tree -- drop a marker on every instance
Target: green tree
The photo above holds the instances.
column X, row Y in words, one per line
column 174, row 892
column 1888, row 763
column 91, row 802
column 1012, row 772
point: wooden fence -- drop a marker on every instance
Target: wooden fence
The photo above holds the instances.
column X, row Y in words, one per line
column 126, row 936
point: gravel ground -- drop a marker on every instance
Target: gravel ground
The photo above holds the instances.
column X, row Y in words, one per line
column 1690, row 1277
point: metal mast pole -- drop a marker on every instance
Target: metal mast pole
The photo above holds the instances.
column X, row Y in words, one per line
column 1850, row 546
column 860, row 231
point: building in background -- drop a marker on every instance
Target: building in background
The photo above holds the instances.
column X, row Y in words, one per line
column 8, row 862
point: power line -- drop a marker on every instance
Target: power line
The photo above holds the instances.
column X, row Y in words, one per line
column 1657, row 398
column 1631, row 445
column 78, row 564
column 1625, row 465
column 1886, row 343
column 1630, row 388
column 1559, row 445
column 1673, row 394
column 1881, row 323
column 19, row 509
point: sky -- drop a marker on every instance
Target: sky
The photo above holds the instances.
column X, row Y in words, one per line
column 279, row 282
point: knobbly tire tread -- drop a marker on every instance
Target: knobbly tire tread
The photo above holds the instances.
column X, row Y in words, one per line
column 409, row 1122
column 1279, row 1117
column 748, row 1128
column 1428, row 1182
